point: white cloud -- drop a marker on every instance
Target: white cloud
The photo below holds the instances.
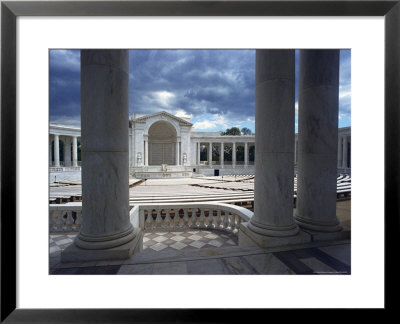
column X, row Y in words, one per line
column 204, row 125
column 66, row 59
column 67, row 120
column 214, row 121
column 163, row 97
column 344, row 94
column 182, row 113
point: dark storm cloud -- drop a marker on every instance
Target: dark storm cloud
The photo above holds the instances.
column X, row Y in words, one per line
column 345, row 84
column 196, row 81
column 64, row 85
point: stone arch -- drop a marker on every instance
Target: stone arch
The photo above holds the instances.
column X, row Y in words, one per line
column 150, row 122
column 162, row 137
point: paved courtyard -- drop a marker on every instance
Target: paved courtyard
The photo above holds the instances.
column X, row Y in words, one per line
column 204, row 251
column 162, row 240
column 322, row 258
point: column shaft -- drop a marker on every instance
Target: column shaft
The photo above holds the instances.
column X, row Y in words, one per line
column 233, row 154
column 344, row 161
column 177, row 153
column 105, row 152
column 198, row 153
column 210, row 154
column 318, row 134
column 340, row 152
column 50, row 153
column 74, row 151
column 56, row 151
column 246, row 154
column 146, row 153
column 221, row 156
column 274, row 115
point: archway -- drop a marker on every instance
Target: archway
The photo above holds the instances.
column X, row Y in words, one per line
column 162, row 143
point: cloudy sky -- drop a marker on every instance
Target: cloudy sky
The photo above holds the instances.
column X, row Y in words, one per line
column 215, row 88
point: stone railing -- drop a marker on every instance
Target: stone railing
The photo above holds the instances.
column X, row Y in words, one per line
column 218, row 216
column 65, row 217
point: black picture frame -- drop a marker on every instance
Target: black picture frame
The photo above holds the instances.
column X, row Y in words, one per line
column 10, row 10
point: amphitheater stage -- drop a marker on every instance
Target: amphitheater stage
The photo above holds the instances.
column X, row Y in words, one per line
column 163, row 171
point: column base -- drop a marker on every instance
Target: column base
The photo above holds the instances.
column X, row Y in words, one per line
column 74, row 253
column 318, row 226
column 344, row 234
column 247, row 237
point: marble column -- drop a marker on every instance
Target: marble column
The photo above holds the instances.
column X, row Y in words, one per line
column 210, row 154
column 106, row 232
column 318, row 134
column 67, row 151
column 345, row 146
column 274, row 115
column 146, row 151
column 233, row 154
column 50, row 153
column 177, row 153
column 197, row 152
column 74, row 151
column 246, row 154
column 221, row 156
column 340, row 152
column 56, row 151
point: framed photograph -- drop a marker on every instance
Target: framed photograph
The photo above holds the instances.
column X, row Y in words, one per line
column 187, row 25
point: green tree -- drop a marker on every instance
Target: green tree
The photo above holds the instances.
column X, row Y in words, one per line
column 246, row 131
column 232, row 131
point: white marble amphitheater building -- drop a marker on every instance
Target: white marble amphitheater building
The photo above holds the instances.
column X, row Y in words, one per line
column 162, row 145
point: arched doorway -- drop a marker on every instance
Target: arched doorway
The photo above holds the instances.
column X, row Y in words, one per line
column 162, row 143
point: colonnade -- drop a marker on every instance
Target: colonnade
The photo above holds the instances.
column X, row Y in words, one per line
column 221, row 150
column 54, row 155
column 107, row 231
column 273, row 222
column 344, row 150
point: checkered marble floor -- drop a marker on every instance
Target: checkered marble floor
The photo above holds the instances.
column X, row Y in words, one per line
column 162, row 240
column 188, row 239
column 59, row 242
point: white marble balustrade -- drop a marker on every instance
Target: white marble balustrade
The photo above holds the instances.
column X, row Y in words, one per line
column 218, row 216
column 64, row 218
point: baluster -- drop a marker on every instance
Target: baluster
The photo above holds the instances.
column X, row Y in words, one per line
column 60, row 221
column 239, row 221
column 210, row 219
column 158, row 219
column 167, row 220
column 219, row 219
column 78, row 220
column 185, row 218
column 177, row 218
column 226, row 219
column 149, row 219
column 69, row 221
column 202, row 218
column 233, row 222
column 193, row 218
column 52, row 223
